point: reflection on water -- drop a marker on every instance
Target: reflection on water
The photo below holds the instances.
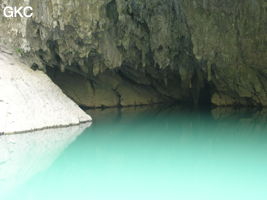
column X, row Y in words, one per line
column 24, row 155
column 159, row 154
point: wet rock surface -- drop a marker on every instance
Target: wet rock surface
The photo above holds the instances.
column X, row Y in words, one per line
column 118, row 52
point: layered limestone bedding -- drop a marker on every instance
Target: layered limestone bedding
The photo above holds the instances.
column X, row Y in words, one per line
column 29, row 100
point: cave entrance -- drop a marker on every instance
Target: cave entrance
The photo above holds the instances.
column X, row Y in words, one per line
column 124, row 88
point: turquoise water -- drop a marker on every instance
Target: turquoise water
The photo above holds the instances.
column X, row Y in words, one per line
column 151, row 154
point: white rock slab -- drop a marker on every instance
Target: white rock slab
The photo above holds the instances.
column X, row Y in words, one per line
column 29, row 100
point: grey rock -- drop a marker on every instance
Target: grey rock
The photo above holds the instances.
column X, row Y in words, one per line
column 31, row 101
column 174, row 50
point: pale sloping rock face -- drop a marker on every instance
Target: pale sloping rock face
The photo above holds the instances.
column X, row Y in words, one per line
column 29, row 100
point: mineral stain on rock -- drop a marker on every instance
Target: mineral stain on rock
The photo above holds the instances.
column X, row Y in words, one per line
column 118, row 53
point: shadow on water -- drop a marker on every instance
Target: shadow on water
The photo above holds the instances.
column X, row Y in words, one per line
column 160, row 153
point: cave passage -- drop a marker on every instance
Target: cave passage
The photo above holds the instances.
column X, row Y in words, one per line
column 126, row 87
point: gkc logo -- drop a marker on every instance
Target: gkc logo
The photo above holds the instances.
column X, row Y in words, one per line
column 11, row 12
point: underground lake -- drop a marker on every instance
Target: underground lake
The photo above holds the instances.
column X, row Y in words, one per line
column 133, row 100
column 144, row 153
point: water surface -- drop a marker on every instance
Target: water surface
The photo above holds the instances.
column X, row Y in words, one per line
column 159, row 154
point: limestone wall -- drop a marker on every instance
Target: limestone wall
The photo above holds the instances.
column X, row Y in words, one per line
column 169, row 49
column 30, row 101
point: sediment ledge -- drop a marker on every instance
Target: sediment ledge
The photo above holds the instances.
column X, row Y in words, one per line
column 30, row 101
